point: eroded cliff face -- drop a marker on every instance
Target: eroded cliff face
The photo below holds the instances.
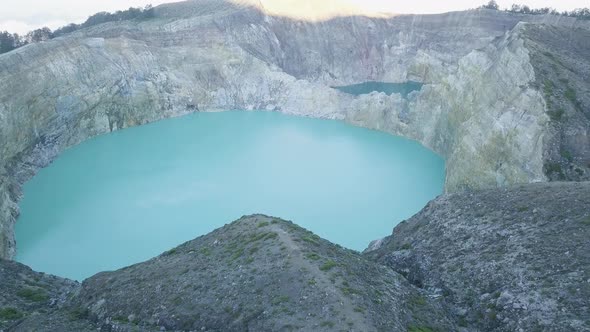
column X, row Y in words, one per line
column 478, row 107
column 508, row 259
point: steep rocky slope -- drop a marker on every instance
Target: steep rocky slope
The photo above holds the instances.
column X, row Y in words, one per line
column 31, row 295
column 495, row 260
column 562, row 66
column 482, row 106
column 505, row 259
column 256, row 274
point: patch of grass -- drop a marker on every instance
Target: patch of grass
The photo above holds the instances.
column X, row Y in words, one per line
column 414, row 328
column 349, row 290
column 493, row 315
column 280, row 299
column 523, row 208
column 327, row 266
column 570, row 94
column 327, row 323
column 237, row 254
column 556, row 115
column 548, row 88
column 79, row 313
column 313, row 256
column 586, row 221
column 417, row 301
column 10, row 314
column 313, row 239
column 121, row 319
column 170, row 252
column 462, row 322
column 255, row 237
column 206, row 251
column 359, row 309
column 35, row 295
column 406, row 246
column 567, row 155
column 551, row 168
column 263, row 224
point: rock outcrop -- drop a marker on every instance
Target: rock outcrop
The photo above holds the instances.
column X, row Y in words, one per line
column 503, row 260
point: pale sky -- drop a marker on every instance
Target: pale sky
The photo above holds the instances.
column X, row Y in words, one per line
column 22, row 16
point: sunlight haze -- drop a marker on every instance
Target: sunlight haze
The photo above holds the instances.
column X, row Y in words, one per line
column 26, row 15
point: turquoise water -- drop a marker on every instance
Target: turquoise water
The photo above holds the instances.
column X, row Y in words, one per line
column 122, row 198
column 389, row 88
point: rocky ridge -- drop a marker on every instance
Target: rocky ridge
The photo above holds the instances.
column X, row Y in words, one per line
column 509, row 259
column 482, row 106
column 256, row 274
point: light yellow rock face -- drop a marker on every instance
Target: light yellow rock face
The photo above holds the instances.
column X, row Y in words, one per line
column 477, row 107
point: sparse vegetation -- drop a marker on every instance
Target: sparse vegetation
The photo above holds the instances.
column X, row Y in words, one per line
column 327, row 323
column 548, row 88
column 327, row 266
column 280, row 299
column 417, row 301
column 255, row 237
column 79, row 313
column 170, row 252
column 556, row 115
column 313, row 239
column 313, row 256
column 567, row 155
column 554, row 168
column 10, row 314
column 570, row 94
column 414, row 328
column 406, row 246
column 206, row 251
column 32, row 294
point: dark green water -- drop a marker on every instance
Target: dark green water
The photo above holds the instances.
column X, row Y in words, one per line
column 389, row 88
column 125, row 197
